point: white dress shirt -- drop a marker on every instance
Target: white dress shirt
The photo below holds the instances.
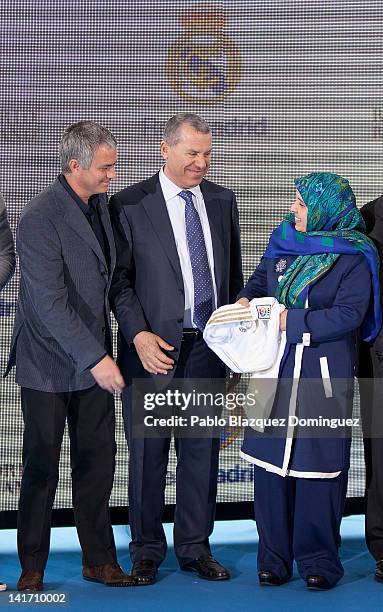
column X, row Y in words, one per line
column 176, row 209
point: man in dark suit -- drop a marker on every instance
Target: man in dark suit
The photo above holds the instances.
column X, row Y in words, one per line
column 371, row 395
column 178, row 258
column 61, row 346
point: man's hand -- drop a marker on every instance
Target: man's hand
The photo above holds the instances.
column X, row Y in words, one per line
column 283, row 320
column 108, row 376
column 243, row 301
column 153, row 359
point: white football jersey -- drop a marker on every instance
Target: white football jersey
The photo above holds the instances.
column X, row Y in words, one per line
column 248, row 338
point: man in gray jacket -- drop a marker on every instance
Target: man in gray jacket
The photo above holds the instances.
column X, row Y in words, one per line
column 61, row 346
column 7, row 264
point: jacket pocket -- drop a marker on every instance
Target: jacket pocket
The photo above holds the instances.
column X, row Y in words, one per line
column 327, row 387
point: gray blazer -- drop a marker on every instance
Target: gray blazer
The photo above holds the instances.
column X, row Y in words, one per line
column 62, row 324
column 7, row 247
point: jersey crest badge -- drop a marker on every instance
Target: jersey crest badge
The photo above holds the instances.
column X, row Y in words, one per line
column 280, row 266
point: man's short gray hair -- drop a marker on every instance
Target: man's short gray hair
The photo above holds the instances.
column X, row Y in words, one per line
column 172, row 129
column 81, row 140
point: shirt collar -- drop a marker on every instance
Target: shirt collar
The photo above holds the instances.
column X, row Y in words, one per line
column 88, row 209
column 171, row 190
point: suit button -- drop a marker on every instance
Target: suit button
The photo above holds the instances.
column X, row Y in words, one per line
column 180, row 320
column 181, row 291
column 103, row 330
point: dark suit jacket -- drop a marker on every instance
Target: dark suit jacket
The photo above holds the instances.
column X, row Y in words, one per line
column 373, row 216
column 147, row 291
column 370, row 361
column 372, row 213
column 62, row 324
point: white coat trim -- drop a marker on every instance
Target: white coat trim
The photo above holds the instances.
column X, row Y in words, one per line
column 263, row 464
column 313, row 474
column 294, row 395
column 269, row 467
column 325, row 377
column 284, row 471
column 292, row 405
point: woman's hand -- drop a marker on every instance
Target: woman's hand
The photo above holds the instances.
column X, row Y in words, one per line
column 243, row 301
column 283, row 319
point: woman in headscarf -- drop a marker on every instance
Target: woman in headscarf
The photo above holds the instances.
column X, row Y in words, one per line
column 323, row 268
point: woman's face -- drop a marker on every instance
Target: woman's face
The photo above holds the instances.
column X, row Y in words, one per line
column 299, row 209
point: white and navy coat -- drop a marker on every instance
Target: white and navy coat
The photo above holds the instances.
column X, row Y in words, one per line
column 317, row 371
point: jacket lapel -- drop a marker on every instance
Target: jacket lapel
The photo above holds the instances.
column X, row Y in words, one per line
column 214, row 214
column 155, row 207
column 77, row 221
column 105, row 220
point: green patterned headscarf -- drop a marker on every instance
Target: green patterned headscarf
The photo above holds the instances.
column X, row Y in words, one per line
column 331, row 203
column 332, row 218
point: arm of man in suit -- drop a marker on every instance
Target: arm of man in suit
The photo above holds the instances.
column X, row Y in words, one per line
column 124, row 301
column 42, row 269
column 7, row 247
column 236, row 275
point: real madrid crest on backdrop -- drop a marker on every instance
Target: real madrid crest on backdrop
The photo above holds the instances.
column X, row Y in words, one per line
column 203, row 64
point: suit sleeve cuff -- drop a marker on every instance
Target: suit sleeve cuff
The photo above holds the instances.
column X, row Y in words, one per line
column 97, row 361
column 243, row 293
column 297, row 331
column 133, row 333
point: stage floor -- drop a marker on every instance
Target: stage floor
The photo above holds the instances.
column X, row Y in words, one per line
column 234, row 543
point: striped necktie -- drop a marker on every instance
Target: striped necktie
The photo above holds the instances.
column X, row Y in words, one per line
column 203, row 287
